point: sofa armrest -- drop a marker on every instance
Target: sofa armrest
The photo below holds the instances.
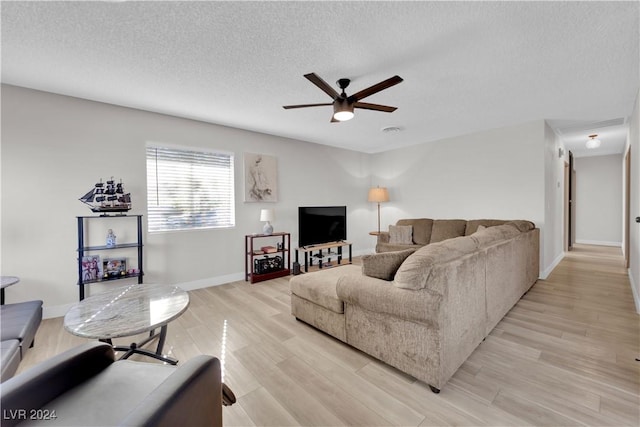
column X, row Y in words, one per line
column 381, row 296
column 37, row 386
column 192, row 395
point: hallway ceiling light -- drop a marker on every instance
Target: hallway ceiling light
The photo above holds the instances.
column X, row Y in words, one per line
column 593, row 142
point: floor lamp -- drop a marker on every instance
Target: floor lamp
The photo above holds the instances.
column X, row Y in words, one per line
column 378, row 195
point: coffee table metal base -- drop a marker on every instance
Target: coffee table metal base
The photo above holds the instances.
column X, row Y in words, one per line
column 136, row 348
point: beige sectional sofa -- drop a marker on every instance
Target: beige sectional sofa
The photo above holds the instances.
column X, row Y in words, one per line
column 424, row 309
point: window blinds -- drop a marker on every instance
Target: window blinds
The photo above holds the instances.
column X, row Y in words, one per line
column 189, row 189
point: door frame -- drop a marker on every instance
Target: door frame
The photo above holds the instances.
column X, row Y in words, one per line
column 627, row 207
column 566, row 197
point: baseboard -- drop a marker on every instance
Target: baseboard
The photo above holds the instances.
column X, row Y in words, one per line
column 546, row 272
column 634, row 290
column 49, row 312
column 212, row 281
column 599, row 243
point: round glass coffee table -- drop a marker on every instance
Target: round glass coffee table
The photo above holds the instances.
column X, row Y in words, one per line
column 128, row 311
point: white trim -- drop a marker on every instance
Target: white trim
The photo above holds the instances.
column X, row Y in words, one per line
column 636, row 297
column 544, row 274
column 212, row 281
column 56, row 310
column 61, row 310
column 599, row 243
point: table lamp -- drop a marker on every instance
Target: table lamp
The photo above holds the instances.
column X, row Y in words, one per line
column 378, row 195
column 267, row 215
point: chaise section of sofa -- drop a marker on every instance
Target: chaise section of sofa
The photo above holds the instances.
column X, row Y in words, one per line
column 314, row 299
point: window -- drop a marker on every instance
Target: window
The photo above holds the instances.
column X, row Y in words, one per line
column 189, row 189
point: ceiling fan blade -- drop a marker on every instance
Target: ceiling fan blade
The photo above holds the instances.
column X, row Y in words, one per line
column 375, row 88
column 287, row 107
column 377, row 107
column 316, row 80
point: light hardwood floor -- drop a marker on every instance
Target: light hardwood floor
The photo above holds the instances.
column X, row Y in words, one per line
column 564, row 355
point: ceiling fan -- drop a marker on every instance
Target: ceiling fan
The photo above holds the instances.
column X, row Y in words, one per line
column 343, row 105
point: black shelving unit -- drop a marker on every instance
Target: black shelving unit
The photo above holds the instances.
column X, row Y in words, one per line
column 83, row 250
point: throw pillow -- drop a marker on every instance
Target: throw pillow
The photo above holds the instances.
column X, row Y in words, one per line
column 385, row 264
column 401, row 234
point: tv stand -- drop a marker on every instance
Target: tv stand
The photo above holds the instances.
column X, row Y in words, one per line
column 323, row 252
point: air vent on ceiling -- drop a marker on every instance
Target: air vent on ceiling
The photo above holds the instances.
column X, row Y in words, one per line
column 391, row 129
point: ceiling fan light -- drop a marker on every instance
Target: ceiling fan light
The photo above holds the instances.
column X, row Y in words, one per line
column 343, row 116
column 342, row 110
column 593, row 142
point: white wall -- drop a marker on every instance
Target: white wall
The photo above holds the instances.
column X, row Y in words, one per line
column 599, row 199
column 498, row 173
column 54, row 148
column 634, row 238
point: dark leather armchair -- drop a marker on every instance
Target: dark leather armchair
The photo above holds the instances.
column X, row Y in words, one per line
column 85, row 386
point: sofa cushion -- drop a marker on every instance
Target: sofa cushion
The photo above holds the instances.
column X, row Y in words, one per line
column 444, row 229
column 9, row 358
column 20, row 321
column 400, row 234
column 522, row 225
column 421, row 229
column 132, row 383
column 384, row 265
column 319, row 287
column 415, row 270
column 472, row 225
column 492, row 235
column 387, row 247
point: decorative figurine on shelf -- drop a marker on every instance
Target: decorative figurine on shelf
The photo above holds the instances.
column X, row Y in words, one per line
column 109, row 198
column 111, row 239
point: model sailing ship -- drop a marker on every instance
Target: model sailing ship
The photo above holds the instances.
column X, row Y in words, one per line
column 108, row 198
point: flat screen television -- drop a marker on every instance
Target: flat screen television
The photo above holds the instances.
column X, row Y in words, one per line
column 321, row 224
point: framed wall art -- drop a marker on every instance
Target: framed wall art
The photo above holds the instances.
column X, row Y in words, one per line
column 260, row 178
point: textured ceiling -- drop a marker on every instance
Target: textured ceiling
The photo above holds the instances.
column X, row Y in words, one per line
column 467, row 66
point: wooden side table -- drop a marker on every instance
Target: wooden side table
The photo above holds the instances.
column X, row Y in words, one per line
column 252, row 252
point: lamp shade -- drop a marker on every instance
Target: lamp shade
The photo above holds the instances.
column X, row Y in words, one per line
column 267, row 215
column 378, row 194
